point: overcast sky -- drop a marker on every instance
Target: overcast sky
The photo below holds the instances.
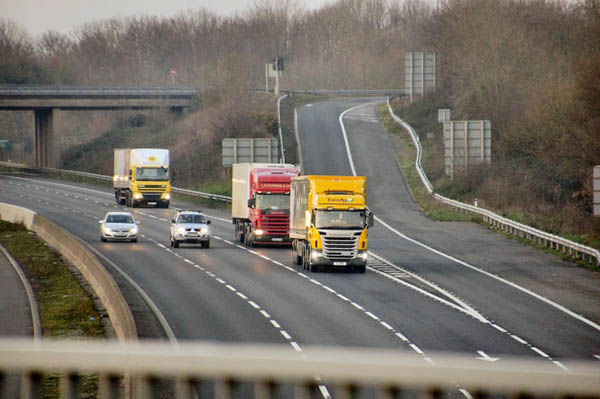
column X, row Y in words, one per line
column 39, row 16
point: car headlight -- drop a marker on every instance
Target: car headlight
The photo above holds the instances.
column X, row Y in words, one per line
column 138, row 196
column 180, row 230
column 204, row 230
column 166, row 196
column 133, row 230
column 259, row 232
column 107, row 230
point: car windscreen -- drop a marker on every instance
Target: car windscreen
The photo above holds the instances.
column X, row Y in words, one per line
column 119, row 219
column 273, row 201
column 158, row 174
column 191, row 219
column 340, row 219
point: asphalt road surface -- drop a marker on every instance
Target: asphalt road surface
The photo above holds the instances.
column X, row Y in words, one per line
column 430, row 287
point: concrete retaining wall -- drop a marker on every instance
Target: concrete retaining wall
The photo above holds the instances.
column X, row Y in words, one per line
column 76, row 252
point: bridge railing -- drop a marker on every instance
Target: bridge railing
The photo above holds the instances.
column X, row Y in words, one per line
column 569, row 247
column 261, row 371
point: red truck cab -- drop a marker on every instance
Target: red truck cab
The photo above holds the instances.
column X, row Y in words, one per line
column 265, row 218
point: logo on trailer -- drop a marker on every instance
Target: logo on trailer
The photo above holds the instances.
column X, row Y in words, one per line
column 152, row 158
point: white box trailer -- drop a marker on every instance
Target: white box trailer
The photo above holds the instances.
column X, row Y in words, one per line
column 240, row 185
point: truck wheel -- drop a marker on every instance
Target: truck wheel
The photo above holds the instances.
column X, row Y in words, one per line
column 134, row 204
column 128, row 201
column 362, row 269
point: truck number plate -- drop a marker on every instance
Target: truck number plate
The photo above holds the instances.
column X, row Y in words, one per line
column 339, row 263
column 277, row 239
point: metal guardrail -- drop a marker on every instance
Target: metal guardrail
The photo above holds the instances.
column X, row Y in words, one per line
column 199, row 194
column 510, row 226
column 265, row 369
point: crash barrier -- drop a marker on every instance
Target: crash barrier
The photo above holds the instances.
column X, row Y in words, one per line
column 267, row 371
column 557, row 243
column 192, row 193
column 80, row 256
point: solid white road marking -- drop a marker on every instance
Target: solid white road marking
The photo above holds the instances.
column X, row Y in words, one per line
column 519, row 339
column 264, row 313
column 485, row 357
column 296, row 346
column 466, row 393
column 275, row 324
column 538, row 351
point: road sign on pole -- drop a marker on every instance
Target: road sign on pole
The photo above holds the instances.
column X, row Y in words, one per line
column 173, row 73
column 597, row 190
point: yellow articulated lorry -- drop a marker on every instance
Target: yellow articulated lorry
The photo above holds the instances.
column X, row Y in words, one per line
column 141, row 176
column 329, row 219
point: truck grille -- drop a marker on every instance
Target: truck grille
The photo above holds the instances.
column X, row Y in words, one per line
column 340, row 247
column 151, row 189
column 276, row 224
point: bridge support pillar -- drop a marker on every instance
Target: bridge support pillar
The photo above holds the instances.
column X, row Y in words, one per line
column 44, row 137
column 177, row 111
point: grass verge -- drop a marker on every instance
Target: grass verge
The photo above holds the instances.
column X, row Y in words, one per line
column 66, row 309
column 407, row 153
column 438, row 211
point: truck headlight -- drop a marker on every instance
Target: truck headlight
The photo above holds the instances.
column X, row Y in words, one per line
column 259, row 232
column 315, row 254
column 166, row 196
column 138, row 196
column 363, row 255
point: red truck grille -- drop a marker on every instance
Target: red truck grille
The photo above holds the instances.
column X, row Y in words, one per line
column 276, row 224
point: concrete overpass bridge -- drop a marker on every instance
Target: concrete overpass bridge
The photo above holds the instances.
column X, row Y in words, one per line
column 44, row 100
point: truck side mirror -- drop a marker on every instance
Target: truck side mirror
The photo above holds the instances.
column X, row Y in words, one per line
column 251, row 203
column 370, row 220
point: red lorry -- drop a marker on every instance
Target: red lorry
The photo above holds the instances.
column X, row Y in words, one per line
column 260, row 202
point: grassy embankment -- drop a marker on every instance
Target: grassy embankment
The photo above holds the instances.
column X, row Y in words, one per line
column 436, row 210
column 407, row 154
column 66, row 309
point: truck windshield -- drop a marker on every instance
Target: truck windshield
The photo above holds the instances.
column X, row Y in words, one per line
column 274, row 202
column 340, row 219
column 152, row 174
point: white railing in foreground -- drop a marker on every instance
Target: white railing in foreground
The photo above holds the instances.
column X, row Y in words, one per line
column 343, row 371
column 541, row 237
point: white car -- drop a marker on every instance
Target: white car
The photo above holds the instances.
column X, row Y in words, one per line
column 189, row 227
column 119, row 226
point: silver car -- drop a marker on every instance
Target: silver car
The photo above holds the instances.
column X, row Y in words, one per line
column 119, row 226
column 189, row 227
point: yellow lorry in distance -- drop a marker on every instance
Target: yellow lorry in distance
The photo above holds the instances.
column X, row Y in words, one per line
column 141, row 177
column 329, row 219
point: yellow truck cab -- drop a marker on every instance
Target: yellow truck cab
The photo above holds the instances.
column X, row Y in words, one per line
column 141, row 176
column 329, row 219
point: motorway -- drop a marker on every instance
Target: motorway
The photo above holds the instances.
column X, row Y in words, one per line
column 430, row 287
